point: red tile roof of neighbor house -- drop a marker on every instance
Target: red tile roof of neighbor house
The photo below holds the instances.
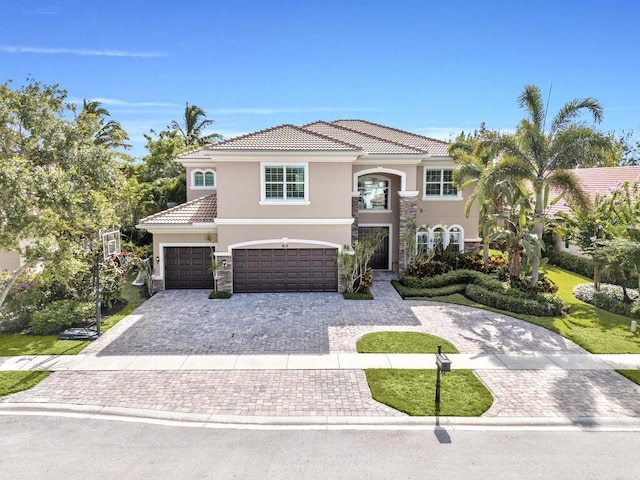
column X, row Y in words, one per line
column 200, row 210
column 596, row 181
column 341, row 135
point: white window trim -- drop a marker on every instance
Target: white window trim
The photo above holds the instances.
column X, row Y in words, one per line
column 204, row 172
column 457, row 196
column 263, row 190
column 446, row 234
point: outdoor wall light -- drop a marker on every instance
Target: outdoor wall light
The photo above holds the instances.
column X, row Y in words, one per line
column 224, row 264
column 285, row 242
column 157, row 259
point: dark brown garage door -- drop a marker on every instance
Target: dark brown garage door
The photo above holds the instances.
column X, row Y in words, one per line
column 285, row 270
column 187, row 267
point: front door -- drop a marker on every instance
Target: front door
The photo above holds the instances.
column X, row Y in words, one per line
column 380, row 259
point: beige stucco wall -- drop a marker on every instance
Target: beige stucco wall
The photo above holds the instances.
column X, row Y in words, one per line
column 193, row 193
column 271, row 236
column 239, row 192
column 9, row 260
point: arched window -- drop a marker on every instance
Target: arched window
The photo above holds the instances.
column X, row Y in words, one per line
column 438, row 237
column 374, row 193
column 455, row 238
column 204, row 179
column 422, row 241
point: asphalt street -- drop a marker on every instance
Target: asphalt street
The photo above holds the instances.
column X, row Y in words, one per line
column 41, row 447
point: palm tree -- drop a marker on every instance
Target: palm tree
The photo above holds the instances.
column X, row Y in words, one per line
column 110, row 135
column 474, row 155
column 543, row 156
column 195, row 122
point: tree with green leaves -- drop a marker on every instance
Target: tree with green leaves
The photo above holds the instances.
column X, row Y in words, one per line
column 193, row 126
column 543, row 154
column 57, row 186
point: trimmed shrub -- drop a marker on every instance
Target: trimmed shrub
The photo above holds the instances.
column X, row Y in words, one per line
column 220, row 295
column 585, row 266
column 357, row 295
column 610, row 298
column 61, row 314
column 543, row 307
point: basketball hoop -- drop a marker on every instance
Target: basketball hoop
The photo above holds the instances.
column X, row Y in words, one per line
column 110, row 244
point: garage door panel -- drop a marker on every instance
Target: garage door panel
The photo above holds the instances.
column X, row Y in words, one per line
column 188, row 267
column 286, row 270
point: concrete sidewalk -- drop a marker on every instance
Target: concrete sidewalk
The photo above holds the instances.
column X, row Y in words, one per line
column 333, row 361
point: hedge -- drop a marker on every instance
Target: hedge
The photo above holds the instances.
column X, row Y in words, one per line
column 480, row 288
column 585, row 267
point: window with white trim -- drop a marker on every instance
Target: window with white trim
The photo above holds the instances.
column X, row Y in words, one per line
column 455, row 238
column 374, row 193
column 286, row 183
column 204, row 179
column 438, row 237
column 422, row 241
column 438, row 182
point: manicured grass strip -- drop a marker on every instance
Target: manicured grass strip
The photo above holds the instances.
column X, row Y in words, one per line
column 21, row 344
column 403, row 342
column 13, row 382
column 462, row 394
column 633, row 375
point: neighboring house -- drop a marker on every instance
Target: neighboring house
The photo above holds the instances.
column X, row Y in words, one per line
column 10, row 260
column 277, row 206
column 594, row 181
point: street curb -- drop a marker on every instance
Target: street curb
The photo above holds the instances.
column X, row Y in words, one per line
column 317, row 422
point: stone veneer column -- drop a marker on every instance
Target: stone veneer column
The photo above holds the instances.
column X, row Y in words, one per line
column 408, row 211
column 225, row 273
column 355, row 203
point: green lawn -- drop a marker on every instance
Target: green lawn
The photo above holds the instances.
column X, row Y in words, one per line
column 21, row 344
column 462, row 394
column 595, row 330
column 13, row 382
column 402, row 342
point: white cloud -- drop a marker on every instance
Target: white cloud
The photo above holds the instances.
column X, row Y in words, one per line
column 79, row 51
column 124, row 103
column 275, row 111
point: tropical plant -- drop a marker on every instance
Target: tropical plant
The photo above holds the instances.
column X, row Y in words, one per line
column 543, row 155
column 354, row 261
column 193, row 126
column 110, row 134
column 474, row 155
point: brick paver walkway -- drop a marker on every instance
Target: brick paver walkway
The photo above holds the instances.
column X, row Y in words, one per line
column 187, row 323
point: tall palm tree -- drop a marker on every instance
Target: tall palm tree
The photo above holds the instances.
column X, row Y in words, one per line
column 110, row 135
column 544, row 155
column 474, row 155
column 194, row 123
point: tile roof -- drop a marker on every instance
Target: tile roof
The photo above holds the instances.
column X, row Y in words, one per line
column 436, row 148
column 200, row 210
column 199, row 154
column 369, row 143
column 596, row 180
column 284, row 138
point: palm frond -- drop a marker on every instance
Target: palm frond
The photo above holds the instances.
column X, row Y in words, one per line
column 569, row 184
column 572, row 110
column 531, row 100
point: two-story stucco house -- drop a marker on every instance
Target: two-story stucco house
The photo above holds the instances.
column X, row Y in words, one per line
column 277, row 205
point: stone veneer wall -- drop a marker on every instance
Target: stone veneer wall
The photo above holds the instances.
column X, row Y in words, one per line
column 225, row 275
column 355, row 202
column 408, row 212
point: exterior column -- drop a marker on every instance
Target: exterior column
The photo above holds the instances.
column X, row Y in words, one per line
column 355, row 202
column 225, row 272
column 408, row 210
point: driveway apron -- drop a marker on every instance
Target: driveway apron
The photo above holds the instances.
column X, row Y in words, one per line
column 186, row 322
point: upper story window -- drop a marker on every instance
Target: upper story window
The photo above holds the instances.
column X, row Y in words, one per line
column 439, row 183
column 284, row 183
column 204, row 179
column 374, row 193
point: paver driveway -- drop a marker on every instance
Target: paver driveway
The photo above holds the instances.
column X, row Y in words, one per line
column 187, row 322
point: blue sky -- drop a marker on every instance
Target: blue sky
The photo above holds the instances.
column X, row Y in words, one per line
column 431, row 67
